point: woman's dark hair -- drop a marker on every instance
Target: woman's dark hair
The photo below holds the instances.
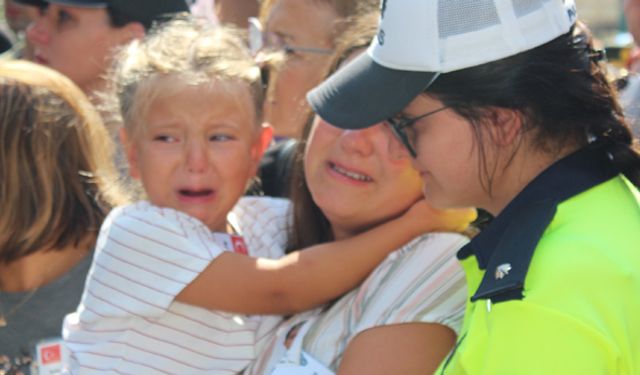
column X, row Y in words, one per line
column 561, row 91
column 309, row 225
column 119, row 19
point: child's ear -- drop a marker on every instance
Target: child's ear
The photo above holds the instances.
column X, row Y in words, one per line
column 263, row 141
column 130, row 153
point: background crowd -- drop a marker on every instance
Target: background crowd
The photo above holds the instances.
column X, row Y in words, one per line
column 145, row 143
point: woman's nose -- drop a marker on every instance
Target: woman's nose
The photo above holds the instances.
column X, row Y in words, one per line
column 37, row 32
column 357, row 141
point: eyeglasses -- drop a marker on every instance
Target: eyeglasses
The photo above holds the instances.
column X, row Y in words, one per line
column 403, row 128
column 259, row 40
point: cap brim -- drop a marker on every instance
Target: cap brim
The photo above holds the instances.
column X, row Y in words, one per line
column 35, row 3
column 364, row 93
column 81, row 3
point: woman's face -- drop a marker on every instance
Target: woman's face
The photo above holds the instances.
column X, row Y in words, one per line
column 296, row 23
column 447, row 156
column 356, row 178
column 76, row 42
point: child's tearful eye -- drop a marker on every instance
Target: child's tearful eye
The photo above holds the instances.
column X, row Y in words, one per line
column 221, row 138
column 165, row 138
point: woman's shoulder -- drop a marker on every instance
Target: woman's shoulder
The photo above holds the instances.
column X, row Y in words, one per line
column 439, row 243
column 422, row 282
column 428, row 256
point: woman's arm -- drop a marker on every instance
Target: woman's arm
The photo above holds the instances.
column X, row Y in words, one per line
column 410, row 348
column 305, row 279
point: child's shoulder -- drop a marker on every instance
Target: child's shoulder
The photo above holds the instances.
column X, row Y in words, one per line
column 145, row 212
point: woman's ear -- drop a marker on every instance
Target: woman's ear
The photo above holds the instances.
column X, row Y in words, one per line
column 262, row 142
column 130, row 153
column 506, row 126
column 132, row 31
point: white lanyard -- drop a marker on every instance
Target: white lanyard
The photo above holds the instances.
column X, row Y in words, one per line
column 298, row 362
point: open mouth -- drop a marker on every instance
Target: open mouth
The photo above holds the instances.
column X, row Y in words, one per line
column 40, row 60
column 350, row 174
column 190, row 193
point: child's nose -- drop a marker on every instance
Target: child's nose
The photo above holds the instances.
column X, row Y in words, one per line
column 197, row 159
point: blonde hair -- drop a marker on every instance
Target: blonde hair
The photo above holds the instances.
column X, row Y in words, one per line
column 184, row 51
column 58, row 179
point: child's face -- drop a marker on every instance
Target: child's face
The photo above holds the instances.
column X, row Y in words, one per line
column 198, row 149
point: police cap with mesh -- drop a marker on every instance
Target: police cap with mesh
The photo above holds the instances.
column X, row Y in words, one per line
column 419, row 39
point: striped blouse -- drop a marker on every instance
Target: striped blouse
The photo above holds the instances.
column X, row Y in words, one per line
column 421, row 282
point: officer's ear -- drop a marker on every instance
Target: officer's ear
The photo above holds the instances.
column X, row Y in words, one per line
column 506, row 126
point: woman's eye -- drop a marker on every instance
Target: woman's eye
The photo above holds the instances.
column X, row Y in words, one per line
column 290, row 51
column 63, row 17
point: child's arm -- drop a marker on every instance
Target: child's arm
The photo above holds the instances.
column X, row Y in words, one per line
column 305, row 279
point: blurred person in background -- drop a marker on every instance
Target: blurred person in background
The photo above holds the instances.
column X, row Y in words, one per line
column 6, row 39
column 630, row 94
column 236, row 12
column 78, row 37
column 58, row 184
column 304, row 31
column 19, row 15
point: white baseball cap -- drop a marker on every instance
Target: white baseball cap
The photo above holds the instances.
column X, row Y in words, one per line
column 419, row 39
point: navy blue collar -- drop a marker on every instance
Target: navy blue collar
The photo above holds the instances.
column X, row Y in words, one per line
column 506, row 246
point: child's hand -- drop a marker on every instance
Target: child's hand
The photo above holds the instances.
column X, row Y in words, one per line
column 425, row 218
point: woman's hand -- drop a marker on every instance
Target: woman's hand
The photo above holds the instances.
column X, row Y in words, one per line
column 423, row 218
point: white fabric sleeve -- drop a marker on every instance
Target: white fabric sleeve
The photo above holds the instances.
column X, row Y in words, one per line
column 145, row 255
column 264, row 224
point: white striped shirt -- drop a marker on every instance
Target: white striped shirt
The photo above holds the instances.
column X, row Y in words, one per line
column 128, row 321
column 421, row 282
